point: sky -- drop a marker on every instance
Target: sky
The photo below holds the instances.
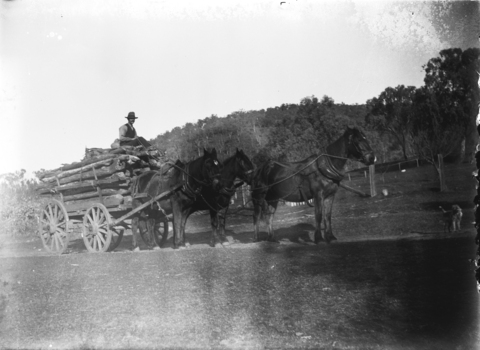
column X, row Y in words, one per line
column 70, row 71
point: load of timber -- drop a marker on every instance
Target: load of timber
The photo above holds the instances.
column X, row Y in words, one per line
column 103, row 176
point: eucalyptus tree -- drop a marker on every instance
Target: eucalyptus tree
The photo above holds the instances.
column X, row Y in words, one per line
column 453, row 78
column 391, row 112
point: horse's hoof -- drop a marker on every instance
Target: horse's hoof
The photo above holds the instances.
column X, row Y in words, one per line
column 187, row 245
column 156, row 248
column 330, row 239
column 218, row 245
column 137, row 249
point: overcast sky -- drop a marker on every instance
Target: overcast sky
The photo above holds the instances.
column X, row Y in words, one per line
column 70, row 71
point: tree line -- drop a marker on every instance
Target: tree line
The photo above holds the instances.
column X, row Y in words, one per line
column 437, row 118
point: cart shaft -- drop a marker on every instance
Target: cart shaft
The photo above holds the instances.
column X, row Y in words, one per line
column 144, row 205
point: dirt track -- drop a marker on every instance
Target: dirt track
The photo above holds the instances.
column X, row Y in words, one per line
column 401, row 294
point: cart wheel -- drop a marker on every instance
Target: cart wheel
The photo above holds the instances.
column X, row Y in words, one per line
column 97, row 234
column 54, row 227
column 161, row 232
column 116, row 238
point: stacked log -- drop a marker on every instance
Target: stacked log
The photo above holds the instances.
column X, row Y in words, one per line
column 103, row 176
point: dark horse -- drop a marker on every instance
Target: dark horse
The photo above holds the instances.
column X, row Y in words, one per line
column 317, row 177
column 192, row 176
column 236, row 166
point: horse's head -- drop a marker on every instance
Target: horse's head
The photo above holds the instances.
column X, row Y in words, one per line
column 358, row 147
column 211, row 168
column 246, row 167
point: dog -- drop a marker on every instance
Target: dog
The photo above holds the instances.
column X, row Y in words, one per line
column 452, row 218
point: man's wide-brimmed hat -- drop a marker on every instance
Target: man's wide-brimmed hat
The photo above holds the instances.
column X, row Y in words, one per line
column 131, row 115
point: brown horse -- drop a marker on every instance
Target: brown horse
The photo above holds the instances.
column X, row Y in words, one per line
column 317, row 177
column 193, row 176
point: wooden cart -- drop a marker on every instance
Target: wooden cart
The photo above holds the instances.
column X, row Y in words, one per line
column 95, row 194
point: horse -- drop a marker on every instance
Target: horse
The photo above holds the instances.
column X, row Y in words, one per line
column 192, row 176
column 317, row 177
column 237, row 166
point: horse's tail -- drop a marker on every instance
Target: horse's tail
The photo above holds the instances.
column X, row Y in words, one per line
column 305, row 198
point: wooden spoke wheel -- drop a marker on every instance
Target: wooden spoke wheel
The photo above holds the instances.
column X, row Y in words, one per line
column 54, row 227
column 97, row 234
column 160, row 233
column 116, row 238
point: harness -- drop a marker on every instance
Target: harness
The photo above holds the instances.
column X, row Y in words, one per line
column 325, row 167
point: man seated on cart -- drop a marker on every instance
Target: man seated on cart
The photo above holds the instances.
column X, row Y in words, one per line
column 128, row 134
column 128, row 137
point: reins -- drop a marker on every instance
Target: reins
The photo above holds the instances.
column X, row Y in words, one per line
column 187, row 173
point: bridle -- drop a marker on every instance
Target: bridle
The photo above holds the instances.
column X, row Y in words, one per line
column 245, row 175
column 355, row 146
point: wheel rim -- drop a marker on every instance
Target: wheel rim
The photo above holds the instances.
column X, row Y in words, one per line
column 54, row 227
column 116, row 239
column 97, row 234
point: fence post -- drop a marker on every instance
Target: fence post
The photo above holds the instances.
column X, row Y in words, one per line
column 373, row 190
column 243, row 194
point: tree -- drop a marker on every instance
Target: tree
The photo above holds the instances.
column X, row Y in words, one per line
column 390, row 113
column 452, row 77
column 435, row 129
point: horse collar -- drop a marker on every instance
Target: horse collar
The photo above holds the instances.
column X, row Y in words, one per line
column 187, row 188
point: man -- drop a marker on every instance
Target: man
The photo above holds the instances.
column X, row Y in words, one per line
column 128, row 134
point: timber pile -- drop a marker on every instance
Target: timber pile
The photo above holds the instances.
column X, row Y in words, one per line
column 103, row 176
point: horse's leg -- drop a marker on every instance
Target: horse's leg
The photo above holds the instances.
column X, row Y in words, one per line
column 269, row 209
column 177, row 225
column 179, row 222
column 178, row 241
column 257, row 213
column 215, row 239
column 135, row 234
column 328, row 205
column 152, row 244
column 221, row 226
column 318, row 201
